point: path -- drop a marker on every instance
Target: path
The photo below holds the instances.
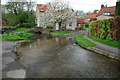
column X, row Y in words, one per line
column 9, row 62
column 105, row 47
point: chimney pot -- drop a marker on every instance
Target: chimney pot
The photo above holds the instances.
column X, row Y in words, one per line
column 102, row 6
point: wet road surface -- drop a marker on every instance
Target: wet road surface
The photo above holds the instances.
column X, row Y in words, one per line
column 48, row 57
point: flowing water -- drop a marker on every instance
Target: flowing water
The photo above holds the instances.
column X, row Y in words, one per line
column 60, row 57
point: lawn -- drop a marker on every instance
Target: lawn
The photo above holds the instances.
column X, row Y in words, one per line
column 112, row 43
column 17, row 36
column 81, row 40
column 59, row 33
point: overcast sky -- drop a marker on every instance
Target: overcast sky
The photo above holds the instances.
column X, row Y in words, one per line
column 85, row 5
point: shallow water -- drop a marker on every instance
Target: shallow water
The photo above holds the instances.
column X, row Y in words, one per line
column 60, row 57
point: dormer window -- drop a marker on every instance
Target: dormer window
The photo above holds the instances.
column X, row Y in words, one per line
column 106, row 13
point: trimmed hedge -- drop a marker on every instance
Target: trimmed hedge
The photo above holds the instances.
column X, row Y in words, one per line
column 26, row 25
column 106, row 29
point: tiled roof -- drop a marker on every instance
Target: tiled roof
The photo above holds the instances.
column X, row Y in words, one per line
column 81, row 21
column 90, row 16
column 107, row 9
column 42, row 7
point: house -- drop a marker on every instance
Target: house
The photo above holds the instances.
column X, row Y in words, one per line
column 41, row 10
column 90, row 17
column 106, row 12
column 81, row 23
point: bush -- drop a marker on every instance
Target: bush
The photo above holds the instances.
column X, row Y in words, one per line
column 26, row 25
column 87, row 25
column 9, row 28
column 49, row 27
column 80, row 28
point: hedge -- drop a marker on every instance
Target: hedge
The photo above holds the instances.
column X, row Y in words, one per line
column 106, row 29
column 26, row 25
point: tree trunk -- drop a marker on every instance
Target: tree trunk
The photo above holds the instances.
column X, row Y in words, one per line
column 60, row 26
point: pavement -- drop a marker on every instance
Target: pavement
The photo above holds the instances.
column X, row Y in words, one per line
column 10, row 66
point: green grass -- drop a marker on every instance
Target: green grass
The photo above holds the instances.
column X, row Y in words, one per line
column 81, row 40
column 19, row 30
column 17, row 36
column 112, row 43
column 59, row 33
column 10, row 37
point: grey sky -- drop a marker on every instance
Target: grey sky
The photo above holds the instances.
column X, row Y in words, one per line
column 85, row 5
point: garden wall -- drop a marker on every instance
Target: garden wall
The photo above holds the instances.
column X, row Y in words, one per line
column 106, row 29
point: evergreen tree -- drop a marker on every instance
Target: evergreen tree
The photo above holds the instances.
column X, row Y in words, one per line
column 117, row 12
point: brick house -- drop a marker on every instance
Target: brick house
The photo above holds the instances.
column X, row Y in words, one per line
column 106, row 12
column 40, row 19
column 40, row 9
column 91, row 17
column 81, row 23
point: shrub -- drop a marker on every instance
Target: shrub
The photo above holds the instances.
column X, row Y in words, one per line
column 87, row 24
column 49, row 27
column 9, row 28
column 26, row 25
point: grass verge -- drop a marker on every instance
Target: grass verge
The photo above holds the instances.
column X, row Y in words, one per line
column 112, row 43
column 81, row 40
column 59, row 33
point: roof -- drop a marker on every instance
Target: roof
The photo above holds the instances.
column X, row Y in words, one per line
column 82, row 21
column 42, row 7
column 107, row 9
column 90, row 16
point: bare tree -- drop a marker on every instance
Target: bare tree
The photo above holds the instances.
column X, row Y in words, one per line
column 80, row 14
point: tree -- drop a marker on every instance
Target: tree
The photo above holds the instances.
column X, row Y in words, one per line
column 80, row 14
column 58, row 12
column 23, row 12
column 117, row 12
column 95, row 11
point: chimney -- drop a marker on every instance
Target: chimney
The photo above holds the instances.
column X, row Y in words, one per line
column 102, row 6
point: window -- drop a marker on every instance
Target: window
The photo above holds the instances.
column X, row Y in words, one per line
column 106, row 13
column 70, row 24
column 88, row 20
